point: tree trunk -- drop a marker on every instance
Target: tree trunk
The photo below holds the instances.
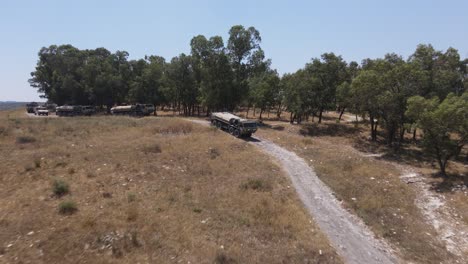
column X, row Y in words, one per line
column 320, row 115
column 341, row 114
column 291, row 120
column 373, row 128
column 278, row 112
column 261, row 112
column 247, row 113
column 414, row 134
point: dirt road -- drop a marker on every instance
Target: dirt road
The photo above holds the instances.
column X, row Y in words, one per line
column 354, row 242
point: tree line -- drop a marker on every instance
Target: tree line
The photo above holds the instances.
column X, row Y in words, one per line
column 394, row 94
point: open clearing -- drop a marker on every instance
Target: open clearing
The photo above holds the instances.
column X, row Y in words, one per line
column 353, row 241
column 145, row 190
column 369, row 184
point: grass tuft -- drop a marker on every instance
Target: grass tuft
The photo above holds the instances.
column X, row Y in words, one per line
column 154, row 148
column 67, row 207
column 256, row 185
column 60, row 188
column 25, row 139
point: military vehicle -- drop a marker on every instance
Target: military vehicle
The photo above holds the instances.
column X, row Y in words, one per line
column 88, row 110
column 131, row 110
column 68, row 110
column 235, row 125
column 41, row 110
column 31, row 106
column 149, row 109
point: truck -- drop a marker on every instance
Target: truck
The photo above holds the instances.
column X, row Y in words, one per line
column 235, row 125
column 149, row 109
column 130, row 110
column 41, row 110
column 30, row 108
column 68, row 110
column 88, row 110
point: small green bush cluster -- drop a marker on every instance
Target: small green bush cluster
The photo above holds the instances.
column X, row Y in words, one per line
column 60, row 188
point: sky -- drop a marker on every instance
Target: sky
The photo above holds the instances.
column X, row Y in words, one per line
column 292, row 31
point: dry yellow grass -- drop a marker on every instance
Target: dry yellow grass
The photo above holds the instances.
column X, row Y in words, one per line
column 369, row 187
column 149, row 190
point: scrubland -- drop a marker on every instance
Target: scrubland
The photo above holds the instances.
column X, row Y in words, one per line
column 148, row 190
column 369, row 185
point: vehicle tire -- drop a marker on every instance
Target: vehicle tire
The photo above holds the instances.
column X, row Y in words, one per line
column 218, row 124
column 231, row 130
column 236, row 133
column 248, row 135
column 213, row 122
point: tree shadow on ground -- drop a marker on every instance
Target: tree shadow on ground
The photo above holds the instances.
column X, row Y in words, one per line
column 274, row 127
column 328, row 129
column 452, row 182
column 407, row 153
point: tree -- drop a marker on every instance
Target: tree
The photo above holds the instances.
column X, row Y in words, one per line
column 330, row 72
column 182, row 83
column 365, row 91
column 264, row 90
column 243, row 48
column 445, row 125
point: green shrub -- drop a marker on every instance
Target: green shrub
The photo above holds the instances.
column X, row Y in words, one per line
column 67, row 207
column 256, row 184
column 60, row 188
column 37, row 163
column 131, row 197
column 154, row 148
column 25, row 139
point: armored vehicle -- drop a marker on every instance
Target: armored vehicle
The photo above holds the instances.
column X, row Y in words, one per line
column 131, row 110
column 235, row 125
column 68, row 110
column 41, row 110
column 31, row 106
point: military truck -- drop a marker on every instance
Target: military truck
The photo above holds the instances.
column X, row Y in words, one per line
column 130, row 110
column 88, row 110
column 30, row 108
column 235, row 125
column 41, row 110
column 68, row 110
column 149, row 109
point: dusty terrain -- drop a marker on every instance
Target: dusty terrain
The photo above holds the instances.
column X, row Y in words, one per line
column 369, row 184
column 349, row 236
column 145, row 190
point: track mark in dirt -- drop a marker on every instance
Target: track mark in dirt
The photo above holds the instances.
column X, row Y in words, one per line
column 351, row 238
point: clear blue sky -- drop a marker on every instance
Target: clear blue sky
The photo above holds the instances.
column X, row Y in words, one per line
column 292, row 32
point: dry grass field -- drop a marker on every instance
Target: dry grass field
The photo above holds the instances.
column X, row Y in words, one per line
column 370, row 187
column 148, row 190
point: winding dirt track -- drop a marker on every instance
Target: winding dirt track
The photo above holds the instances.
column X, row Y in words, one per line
column 354, row 242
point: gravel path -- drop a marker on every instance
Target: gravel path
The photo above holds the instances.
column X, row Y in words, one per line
column 354, row 242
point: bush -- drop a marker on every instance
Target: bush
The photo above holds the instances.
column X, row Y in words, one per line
column 131, row 197
column 25, row 139
column 155, row 148
column 67, row 207
column 37, row 163
column 184, row 128
column 256, row 184
column 60, row 188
